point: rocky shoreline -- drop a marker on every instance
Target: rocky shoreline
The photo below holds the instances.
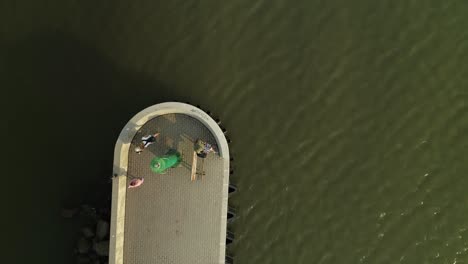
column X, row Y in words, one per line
column 92, row 245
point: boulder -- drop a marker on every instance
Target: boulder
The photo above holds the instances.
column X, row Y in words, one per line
column 88, row 211
column 95, row 259
column 93, row 256
column 102, row 229
column 83, row 245
column 83, row 260
column 101, row 248
column 87, row 232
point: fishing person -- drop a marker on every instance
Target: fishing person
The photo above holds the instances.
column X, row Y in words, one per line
column 202, row 148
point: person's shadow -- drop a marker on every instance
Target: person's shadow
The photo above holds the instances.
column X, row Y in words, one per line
column 65, row 106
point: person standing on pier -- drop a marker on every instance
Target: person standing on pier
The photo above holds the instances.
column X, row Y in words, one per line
column 146, row 141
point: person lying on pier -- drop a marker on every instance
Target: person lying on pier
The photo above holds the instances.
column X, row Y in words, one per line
column 202, row 148
column 145, row 142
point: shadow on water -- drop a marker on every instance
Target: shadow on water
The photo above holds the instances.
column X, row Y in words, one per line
column 66, row 106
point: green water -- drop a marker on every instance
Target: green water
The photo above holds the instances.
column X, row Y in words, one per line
column 348, row 119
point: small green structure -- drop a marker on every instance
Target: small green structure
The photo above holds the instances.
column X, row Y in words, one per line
column 171, row 159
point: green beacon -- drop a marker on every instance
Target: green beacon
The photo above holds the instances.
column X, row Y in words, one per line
column 170, row 160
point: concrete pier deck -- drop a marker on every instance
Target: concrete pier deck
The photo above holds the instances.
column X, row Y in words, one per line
column 170, row 219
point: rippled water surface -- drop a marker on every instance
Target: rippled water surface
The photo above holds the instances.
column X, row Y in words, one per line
column 348, row 118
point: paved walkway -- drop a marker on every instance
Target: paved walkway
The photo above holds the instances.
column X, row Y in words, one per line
column 170, row 219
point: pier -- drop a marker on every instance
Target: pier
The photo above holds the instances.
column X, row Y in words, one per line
column 177, row 217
